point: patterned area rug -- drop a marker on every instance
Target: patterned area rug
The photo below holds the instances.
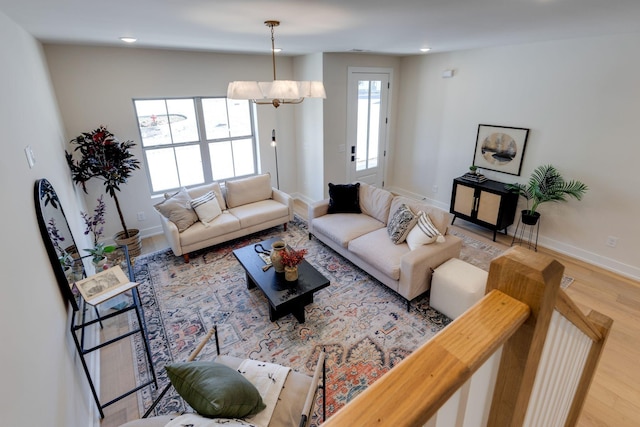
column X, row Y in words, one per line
column 364, row 327
column 480, row 253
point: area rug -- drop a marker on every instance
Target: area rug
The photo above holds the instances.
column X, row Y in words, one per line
column 481, row 253
column 363, row 326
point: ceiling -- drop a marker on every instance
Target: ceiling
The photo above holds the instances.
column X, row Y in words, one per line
column 397, row 27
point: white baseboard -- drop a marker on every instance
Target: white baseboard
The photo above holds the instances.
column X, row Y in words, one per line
column 612, row 265
column 303, row 198
column 606, row 263
column 417, row 196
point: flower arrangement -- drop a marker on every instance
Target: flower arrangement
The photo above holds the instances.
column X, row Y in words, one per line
column 63, row 256
column 292, row 257
column 94, row 224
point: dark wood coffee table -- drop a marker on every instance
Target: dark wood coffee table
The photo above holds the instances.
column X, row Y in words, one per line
column 284, row 297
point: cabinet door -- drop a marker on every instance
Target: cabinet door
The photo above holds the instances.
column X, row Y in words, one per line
column 465, row 200
column 489, row 207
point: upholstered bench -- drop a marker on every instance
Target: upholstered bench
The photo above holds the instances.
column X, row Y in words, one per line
column 456, row 286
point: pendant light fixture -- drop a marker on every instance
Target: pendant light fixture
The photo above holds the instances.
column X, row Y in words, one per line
column 276, row 92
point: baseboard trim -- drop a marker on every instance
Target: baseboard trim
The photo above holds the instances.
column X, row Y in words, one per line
column 609, row 264
column 603, row 262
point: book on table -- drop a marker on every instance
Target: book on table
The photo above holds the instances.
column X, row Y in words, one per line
column 105, row 285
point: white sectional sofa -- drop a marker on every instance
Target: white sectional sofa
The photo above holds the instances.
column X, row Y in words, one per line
column 363, row 239
column 242, row 207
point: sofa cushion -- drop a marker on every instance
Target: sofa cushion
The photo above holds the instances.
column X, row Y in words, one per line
column 401, row 223
column 206, row 206
column 248, row 190
column 259, row 212
column 177, row 209
column 376, row 249
column 344, row 198
column 215, row 390
column 440, row 218
column 423, row 233
column 196, row 192
column 198, row 232
column 344, row 227
column 375, row 202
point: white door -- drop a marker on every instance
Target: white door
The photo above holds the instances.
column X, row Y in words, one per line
column 367, row 117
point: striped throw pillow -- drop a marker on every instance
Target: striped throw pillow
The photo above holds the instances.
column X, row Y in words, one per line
column 206, row 206
column 423, row 233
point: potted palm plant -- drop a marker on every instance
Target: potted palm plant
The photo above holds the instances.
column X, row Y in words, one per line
column 546, row 184
column 103, row 157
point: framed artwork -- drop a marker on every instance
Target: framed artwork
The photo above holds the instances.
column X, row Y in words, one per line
column 500, row 148
column 104, row 285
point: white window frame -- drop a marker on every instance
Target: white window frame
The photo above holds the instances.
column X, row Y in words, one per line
column 202, row 142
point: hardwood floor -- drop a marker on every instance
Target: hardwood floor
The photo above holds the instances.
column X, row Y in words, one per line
column 614, row 396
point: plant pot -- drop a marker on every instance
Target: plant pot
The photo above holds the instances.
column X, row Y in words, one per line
column 133, row 243
column 68, row 273
column 276, row 255
column 291, row 274
column 529, row 218
column 99, row 265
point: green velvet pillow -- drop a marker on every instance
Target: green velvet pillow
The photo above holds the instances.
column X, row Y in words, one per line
column 215, row 390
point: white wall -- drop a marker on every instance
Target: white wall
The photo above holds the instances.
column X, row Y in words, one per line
column 309, row 132
column 581, row 100
column 42, row 382
column 336, row 75
column 96, row 85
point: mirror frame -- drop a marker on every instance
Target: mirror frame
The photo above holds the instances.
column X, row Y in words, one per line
column 45, row 199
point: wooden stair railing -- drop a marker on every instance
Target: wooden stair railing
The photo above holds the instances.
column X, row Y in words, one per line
column 523, row 292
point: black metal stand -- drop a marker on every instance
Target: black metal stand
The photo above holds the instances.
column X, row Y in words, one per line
column 79, row 323
column 526, row 235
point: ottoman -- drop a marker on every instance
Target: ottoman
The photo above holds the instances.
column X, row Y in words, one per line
column 456, row 286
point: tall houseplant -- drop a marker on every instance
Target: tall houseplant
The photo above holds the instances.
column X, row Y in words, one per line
column 546, row 184
column 103, row 157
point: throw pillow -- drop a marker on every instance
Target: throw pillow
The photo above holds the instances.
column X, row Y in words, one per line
column 177, row 209
column 402, row 221
column 344, row 198
column 206, row 206
column 423, row 233
column 215, row 390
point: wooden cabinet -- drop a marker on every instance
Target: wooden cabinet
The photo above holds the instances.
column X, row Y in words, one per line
column 487, row 204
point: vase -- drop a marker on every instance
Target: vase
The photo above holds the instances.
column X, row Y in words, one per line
column 291, row 273
column 276, row 255
column 99, row 265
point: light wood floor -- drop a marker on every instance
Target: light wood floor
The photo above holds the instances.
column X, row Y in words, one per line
column 614, row 397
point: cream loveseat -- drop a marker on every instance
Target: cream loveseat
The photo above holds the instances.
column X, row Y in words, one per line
column 207, row 215
column 363, row 238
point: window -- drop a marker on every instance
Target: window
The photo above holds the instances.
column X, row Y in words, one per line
column 190, row 141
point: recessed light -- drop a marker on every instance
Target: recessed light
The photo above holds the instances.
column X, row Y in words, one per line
column 129, row 39
column 425, row 49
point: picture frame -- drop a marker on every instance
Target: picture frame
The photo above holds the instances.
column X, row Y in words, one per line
column 105, row 285
column 500, row 148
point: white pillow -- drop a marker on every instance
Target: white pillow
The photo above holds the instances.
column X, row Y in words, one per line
column 206, row 206
column 423, row 233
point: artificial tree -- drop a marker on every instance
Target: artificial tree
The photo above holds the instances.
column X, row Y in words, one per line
column 103, row 157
